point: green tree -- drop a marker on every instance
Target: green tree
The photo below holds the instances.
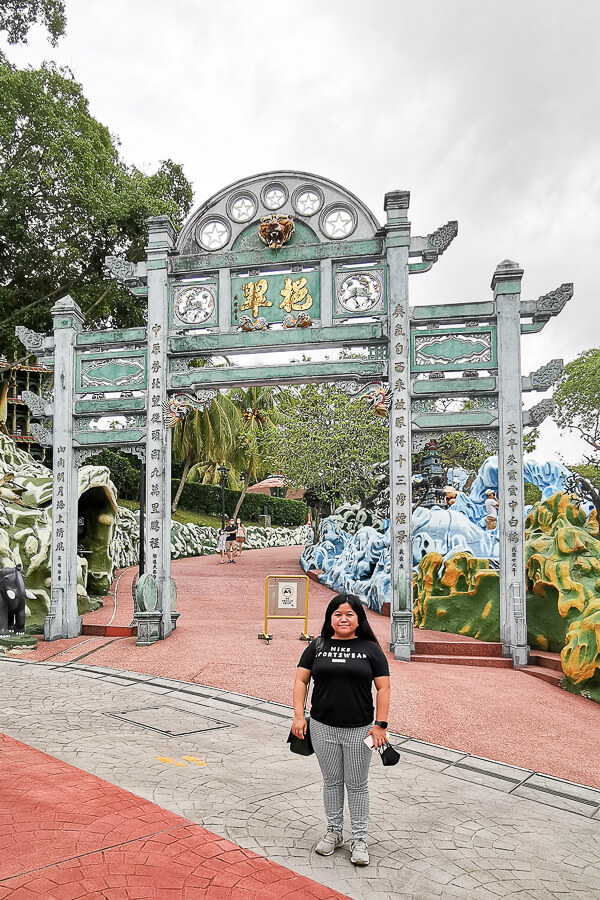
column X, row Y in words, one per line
column 326, row 444
column 577, row 398
column 67, row 200
column 124, row 472
column 203, row 441
column 259, row 410
column 585, row 483
column 464, row 449
column 18, row 16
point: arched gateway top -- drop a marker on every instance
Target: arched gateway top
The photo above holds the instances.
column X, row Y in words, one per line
column 322, row 210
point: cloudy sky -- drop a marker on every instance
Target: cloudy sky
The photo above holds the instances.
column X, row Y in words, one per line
column 486, row 111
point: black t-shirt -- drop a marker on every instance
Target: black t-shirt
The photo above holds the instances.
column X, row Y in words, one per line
column 343, row 673
column 231, row 532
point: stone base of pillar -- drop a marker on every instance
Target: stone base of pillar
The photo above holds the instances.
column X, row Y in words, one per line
column 401, row 643
column 402, row 651
column 520, row 655
column 163, row 632
column 54, row 631
column 149, row 628
column 174, row 617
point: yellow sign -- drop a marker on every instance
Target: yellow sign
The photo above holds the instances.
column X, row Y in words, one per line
column 285, row 599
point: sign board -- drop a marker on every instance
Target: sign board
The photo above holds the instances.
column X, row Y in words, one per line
column 286, row 597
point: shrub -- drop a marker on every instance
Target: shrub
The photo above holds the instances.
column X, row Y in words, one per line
column 206, row 498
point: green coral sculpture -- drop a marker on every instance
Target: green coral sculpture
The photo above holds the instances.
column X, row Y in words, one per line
column 26, row 528
column 464, row 599
column 563, row 581
column 562, row 566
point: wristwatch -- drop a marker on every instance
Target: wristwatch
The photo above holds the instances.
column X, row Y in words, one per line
column 382, row 724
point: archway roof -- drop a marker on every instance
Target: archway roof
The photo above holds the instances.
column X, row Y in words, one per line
column 328, row 211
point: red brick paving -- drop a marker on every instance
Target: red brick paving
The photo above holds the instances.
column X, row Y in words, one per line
column 501, row 714
column 68, row 835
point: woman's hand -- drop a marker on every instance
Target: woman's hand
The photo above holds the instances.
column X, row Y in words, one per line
column 379, row 736
column 299, row 727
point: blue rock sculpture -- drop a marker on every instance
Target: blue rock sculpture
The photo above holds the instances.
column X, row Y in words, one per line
column 357, row 559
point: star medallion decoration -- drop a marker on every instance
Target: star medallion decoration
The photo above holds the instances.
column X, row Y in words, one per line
column 338, row 224
column 308, row 203
column 242, row 210
column 274, row 198
column 214, row 235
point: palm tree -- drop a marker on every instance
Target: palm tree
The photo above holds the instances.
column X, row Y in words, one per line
column 258, row 407
column 204, row 440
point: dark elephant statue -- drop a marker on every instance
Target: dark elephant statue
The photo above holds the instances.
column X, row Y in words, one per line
column 12, row 599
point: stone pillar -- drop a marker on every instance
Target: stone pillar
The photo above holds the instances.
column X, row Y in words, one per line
column 225, row 326
column 327, row 302
column 506, row 285
column 397, row 232
column 157, row 539
column 63, row 620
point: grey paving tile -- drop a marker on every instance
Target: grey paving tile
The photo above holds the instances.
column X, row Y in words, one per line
column 490, row 766
column 558, row 801
column 486, row 779
column 564, row 788
column 431, row 751
column 432, row 836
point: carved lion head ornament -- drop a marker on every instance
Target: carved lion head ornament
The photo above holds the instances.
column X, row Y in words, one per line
column 275, row 231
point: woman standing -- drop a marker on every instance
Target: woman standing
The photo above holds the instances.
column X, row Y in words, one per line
column 222, row 544
column 345, row 665
column 230, row 533
column 240, row 536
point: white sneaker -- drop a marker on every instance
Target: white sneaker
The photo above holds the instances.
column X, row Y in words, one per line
column 360, row 854
column 328, row 844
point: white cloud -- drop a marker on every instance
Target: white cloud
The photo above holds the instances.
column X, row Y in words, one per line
column 486, row 112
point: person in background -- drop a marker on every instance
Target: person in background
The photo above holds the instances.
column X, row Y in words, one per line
column 344, row 667
column 240, row 536
column 231, row 531
column 221, row 546
column 491, row 510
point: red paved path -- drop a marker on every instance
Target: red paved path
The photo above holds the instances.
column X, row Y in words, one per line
column 67, row 835
column 497, row 713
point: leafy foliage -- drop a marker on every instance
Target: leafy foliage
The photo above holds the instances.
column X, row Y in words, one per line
column 18, row 16
column 585, row 483
column 532, row 494
column 67, row 200
column 204, row 440
column 461, row 448
column 207, row 499
column 124, row 472
column 577, row 398
column 327, row 444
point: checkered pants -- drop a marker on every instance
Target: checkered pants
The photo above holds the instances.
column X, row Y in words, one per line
column 344, row 760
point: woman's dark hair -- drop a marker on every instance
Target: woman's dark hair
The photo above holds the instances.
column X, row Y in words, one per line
column 363, row 631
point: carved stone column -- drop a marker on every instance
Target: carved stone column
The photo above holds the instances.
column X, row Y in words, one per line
column 397, row 247
column 506, row 285
column 63, row 620
column 157, row 539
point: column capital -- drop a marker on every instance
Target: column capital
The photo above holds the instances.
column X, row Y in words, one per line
column 395, row 204
column 67, row 314
column 507, row 278
column 161, row 233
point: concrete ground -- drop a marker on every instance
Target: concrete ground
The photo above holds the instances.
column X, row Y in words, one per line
column 162, row 772
column 183, row 791
column 501, row 714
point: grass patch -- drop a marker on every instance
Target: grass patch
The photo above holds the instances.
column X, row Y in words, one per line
column 187, row 516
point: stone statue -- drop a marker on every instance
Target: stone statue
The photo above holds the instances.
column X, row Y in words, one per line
column 12, row 599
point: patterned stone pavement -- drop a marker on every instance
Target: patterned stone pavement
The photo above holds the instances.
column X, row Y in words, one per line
column 444, row 824
column 92, row 839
